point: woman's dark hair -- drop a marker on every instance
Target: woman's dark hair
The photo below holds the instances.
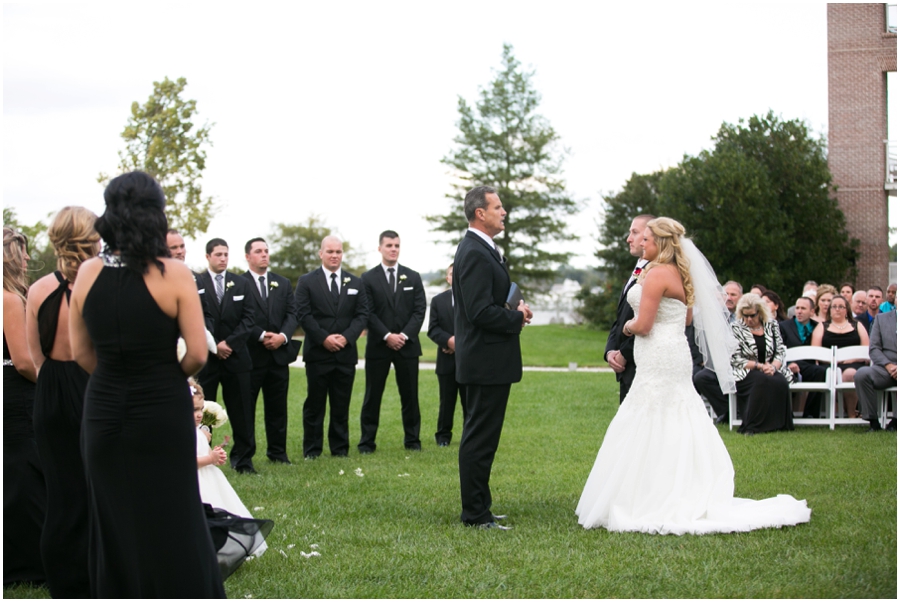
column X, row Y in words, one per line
column 780, row 311
column 134, row 222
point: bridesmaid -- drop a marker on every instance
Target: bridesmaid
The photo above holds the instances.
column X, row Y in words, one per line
column 24, row 492
column 58, row 403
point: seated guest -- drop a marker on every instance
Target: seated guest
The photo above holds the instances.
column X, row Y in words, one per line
column 846, row 290
column 809, row 291
column 758, row 289
column 858, row 306
column 706, row 383
column 796, row 332
column 873, row 302
column 841, row 331
column 883, row 371
column 757, row 364
column 890, row 303
column 775, row 305
column 824, row 294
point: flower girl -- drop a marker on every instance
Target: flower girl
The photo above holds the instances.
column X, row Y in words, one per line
column 215, row 489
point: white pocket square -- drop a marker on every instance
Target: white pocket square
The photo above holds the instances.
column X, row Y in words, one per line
column 201, row 291
column 407, row 288
column 352, row 291
column 239, row 298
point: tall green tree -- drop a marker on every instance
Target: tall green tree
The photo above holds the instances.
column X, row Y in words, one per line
column 760, row 206
column 294, row 249
column 503, row 142
column 43, row 260
column 162, row 140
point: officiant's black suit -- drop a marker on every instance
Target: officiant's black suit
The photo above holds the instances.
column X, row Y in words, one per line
column 392, row 311
column 618, row 340
column 231, row 321
column 276, row 313
column 488, row 361
column 440, row 329
column 329, row 375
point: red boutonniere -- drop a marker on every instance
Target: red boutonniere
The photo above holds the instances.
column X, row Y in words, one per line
column 637, row 272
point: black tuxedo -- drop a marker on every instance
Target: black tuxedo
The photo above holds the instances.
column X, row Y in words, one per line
column 392, row 311
column 618, row 341
column 809, row 371
column 276, row 313
column 231, row 321
column 488, row 361
column 440, row 329
column 329, row 375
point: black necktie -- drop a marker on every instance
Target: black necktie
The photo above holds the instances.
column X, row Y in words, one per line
column 391, row 281
column 335, row 292
column 262, row 287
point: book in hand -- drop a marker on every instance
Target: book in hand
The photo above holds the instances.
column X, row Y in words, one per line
column 513, row 297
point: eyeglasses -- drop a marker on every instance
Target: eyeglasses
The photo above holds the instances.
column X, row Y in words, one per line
column 844, row 307
column 750, row 315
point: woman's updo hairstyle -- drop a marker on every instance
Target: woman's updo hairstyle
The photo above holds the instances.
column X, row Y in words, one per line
column 74, row 238
column 134, row 223
column 667, row 233
column 15, row 246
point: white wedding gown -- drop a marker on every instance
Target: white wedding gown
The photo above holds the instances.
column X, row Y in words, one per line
column 662, row 467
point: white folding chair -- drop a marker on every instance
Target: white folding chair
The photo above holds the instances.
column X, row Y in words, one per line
column 825, row 356
column 843, row 354
column 886, row 395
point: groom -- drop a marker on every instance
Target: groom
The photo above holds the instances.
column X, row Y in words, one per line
column 619, row 348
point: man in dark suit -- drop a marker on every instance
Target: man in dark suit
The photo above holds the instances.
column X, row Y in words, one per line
column 228, row 313
column 396, row 311
column 488, row 356
column 270, row 345
column 795, row 332
column 440, row 330
column 333, row 311
column 619, row 352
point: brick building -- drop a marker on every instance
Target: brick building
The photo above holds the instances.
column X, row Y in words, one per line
column 861, row 50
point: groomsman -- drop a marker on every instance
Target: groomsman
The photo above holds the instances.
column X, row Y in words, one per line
column 488, row 355
column 332, row 310
column 619, row 348
column 396, row 312
column 440, row 330
column 175, row 242
column 229, row 317
column 270, row 345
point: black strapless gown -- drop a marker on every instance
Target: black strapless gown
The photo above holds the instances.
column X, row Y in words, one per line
column 149, row 536
column 24, row 491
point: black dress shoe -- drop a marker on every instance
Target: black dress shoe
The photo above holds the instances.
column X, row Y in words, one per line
column 873, row 429
column 443, row 444
column 491, row 525
column 246, row 470
column 723, row 419
column 279, row 460
column 497, row 517
column 891, row 426
column 311, row 457
column 343, row 455
column 366, row 452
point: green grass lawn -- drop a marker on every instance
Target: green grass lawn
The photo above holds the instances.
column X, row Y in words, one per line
column 394, row 532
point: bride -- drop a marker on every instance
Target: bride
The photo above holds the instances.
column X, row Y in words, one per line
column 662, row 467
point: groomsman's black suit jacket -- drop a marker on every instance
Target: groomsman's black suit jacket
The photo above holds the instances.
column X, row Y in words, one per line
column 397, row 311
column 277, row 314
column 232, row 321
column 440, row 329
column 487, row 334
column 319, row 317
column 618, row 340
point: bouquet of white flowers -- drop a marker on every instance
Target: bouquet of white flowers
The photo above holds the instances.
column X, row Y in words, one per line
column 214, row 415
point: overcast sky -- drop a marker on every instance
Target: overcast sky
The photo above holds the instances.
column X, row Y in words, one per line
column 345, row 110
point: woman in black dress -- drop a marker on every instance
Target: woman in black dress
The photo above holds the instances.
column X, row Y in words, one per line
column 841, row 330
column 149, row 537
column 58, row 403
column 24, row 492
column 763, row 389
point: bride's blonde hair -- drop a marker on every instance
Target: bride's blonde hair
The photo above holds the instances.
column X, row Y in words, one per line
column 667, row 233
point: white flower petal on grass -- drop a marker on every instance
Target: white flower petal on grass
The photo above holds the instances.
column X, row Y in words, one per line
column 310, row 555
column 313, row 545
column 258, row 508
column 405, row 474
column 291, row 546
column 282, row 553
column 341, row 471
column 359, row 472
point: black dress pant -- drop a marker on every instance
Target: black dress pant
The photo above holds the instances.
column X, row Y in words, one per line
column 706, row 383
column 407, row 376
column 273, row 380
column 447, row 390
column 236, row 398
column 486, row 409
column 332, row 382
